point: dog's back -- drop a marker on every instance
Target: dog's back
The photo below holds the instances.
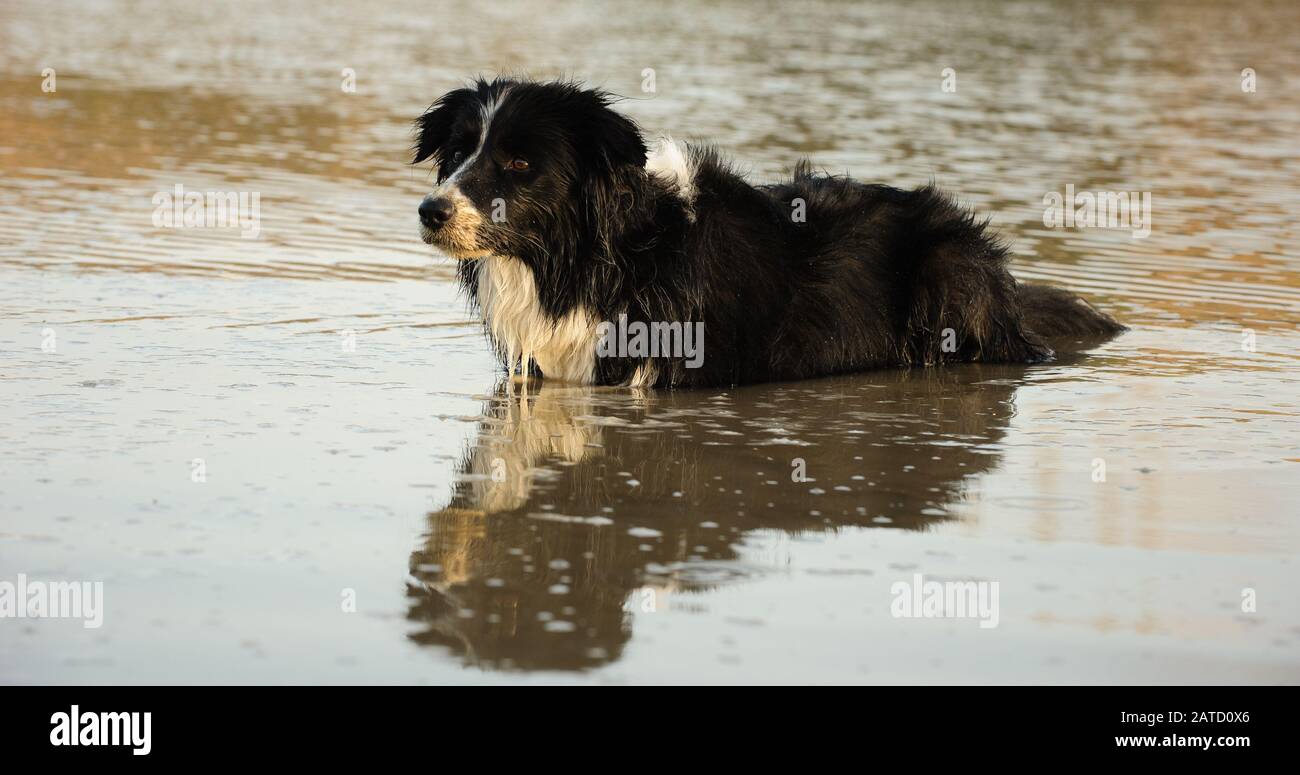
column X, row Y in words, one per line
column 891, row 277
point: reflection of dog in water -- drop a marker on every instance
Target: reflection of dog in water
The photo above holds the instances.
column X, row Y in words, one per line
column 573, row 500
column 523, row 431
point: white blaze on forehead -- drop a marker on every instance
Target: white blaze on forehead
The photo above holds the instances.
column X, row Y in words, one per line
column 487, row 111
column 670, row 162
column 460, row 233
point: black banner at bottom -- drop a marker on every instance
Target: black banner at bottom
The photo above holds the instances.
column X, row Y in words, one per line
column 210, row 725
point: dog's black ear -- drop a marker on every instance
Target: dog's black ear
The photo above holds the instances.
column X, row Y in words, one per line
column 615, row 158
column 613, row 136
column 433, row 129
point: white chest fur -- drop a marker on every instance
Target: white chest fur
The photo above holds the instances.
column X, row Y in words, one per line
column 564, row 348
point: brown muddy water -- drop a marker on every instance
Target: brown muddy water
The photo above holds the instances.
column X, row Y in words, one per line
column 290, row 458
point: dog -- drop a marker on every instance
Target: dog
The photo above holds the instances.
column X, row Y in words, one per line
column 568, row 229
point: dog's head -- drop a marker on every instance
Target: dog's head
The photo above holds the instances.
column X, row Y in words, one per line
column 524, row 168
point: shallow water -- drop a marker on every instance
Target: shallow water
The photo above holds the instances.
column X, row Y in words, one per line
column 357, row 443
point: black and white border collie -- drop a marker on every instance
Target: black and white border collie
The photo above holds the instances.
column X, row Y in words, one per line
column 562, row 220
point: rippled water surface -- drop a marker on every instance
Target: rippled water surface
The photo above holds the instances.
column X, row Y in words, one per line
column 486, row 532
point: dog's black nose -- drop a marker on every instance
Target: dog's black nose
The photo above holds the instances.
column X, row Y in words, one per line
column 434, row 212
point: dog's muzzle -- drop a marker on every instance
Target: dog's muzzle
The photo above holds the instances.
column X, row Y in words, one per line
column 435, row 212
column 451, row 222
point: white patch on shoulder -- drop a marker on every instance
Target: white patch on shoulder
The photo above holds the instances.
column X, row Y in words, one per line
column 670, row 162
column 564, row 349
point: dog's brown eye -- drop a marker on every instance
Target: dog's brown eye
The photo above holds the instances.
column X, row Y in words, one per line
column 456, row 157
column 518, row 165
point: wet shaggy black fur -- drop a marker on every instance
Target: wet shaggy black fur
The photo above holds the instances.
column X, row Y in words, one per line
column 871, row 276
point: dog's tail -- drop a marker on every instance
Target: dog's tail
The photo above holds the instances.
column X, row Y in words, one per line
column 1055, row 313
